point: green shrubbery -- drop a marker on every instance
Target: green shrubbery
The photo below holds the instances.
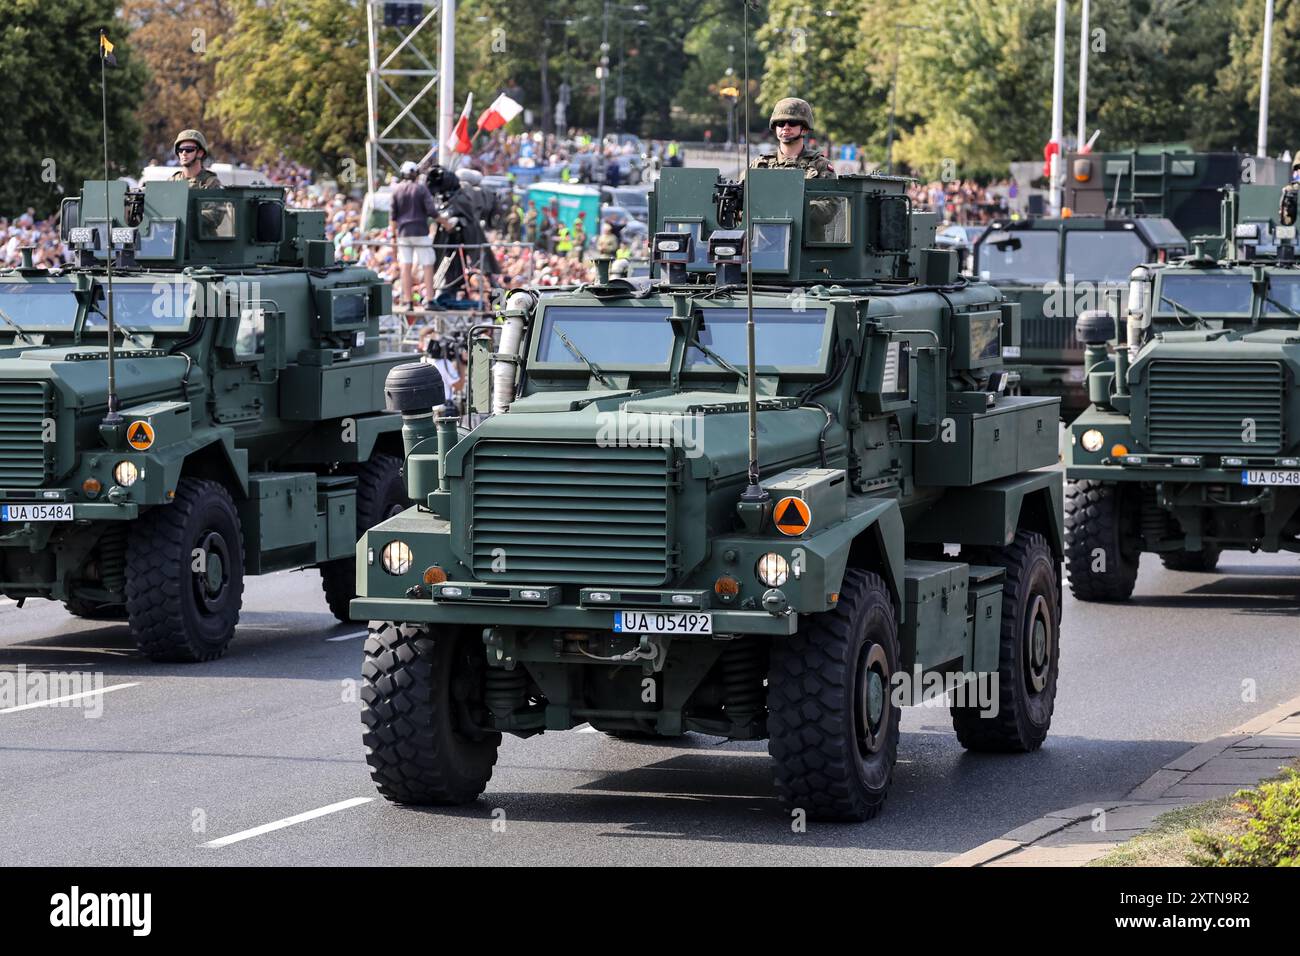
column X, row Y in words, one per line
column 1271, row 834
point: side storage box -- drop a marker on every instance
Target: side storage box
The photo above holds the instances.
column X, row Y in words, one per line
column 336, row 507
column 319, row 392
column 279, row 521
column 1018, row 434
column 985, row 610
column 935, row 631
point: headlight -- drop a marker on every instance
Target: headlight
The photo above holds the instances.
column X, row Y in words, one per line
column 1092, row 440
column 126, row 474
column 773, row 569
column 397, row 557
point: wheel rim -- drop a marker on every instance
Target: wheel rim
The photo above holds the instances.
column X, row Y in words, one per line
column 212, row 584
column 871, row 703
column 1038, row 644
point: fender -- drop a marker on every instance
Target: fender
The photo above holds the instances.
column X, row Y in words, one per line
column 991, row 513
column 871, row 537
column 221, row 459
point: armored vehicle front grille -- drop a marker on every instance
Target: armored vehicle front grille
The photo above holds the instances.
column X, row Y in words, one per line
column 1198, row 406
column 25, row 456
column 1055, row 332
column 568, row 512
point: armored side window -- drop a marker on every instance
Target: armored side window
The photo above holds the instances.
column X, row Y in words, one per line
column 250, row 338
column 694, row 227
column 216, row 219
column 827, row 221
column 771, row 252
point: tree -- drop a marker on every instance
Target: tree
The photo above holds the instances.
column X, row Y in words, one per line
column 1232, row 118
column 51, row 103
column 291, row 80
column 827, row 54
column 172, row 37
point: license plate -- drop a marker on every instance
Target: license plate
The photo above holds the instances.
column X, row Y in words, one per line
column 1271, row 476
column 35, row 512
column 663, row 622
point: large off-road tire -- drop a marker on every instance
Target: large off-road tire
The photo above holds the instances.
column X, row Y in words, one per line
column 422, row 709
column 93, row 611
column 831, row 714
column 185, row 574
column 1102, row 544
column 381, row 493
column 1028, row 650
column 1197, row 562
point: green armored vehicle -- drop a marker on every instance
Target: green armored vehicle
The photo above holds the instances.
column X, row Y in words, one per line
column 1170, row 181
column 1191, row 446
column 618, row 546
column 1056, row 269
column 231, row 424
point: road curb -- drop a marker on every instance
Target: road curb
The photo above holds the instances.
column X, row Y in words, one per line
column 1154, row 791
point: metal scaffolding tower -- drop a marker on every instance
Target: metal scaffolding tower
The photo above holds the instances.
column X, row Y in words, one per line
column 402, row 45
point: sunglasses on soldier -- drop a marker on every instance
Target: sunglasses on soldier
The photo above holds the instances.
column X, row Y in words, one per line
column 187, row 149
column 780, row 123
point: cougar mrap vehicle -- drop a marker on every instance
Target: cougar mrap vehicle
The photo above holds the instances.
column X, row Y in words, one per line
column 1056, row 269
column 232, row 424
column 1192, row 443
column 608, row 549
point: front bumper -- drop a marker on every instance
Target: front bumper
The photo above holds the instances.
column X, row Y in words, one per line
column 558, row 616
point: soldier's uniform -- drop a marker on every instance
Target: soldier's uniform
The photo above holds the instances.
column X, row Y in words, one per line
column 206, row 179
column 1287, row 212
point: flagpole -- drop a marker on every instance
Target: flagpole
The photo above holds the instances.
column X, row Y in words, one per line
column 112, row 417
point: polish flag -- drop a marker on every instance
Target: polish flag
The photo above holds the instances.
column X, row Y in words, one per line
column 501, row 112
column 461, row 142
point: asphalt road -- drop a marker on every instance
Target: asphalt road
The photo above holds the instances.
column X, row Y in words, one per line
column 184, row 756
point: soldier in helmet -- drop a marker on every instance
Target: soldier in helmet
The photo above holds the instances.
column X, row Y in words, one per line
column 792, row 121
column 191, row 148
column 1287, row 212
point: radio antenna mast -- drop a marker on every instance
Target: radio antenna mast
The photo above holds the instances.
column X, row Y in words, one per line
column 754, row 493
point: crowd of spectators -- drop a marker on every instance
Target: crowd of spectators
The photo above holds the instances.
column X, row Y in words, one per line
column 964, row 202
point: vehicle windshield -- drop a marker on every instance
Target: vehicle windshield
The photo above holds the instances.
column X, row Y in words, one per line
column 1284, row 290
column 1103, row 256
column 1206, row 294
column 781, row 337
column 146, row 307
column 632, row 336
column 608, row 337
column 38, row 306
column 1026, row 255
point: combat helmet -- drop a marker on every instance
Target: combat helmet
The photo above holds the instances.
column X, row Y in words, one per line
column 792, row 108
column 195, row 136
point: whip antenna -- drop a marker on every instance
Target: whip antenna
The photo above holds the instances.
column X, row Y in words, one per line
column 754, row 492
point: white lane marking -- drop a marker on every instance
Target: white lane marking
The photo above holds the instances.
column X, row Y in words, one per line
column 59, row 700
column 8, row 602
column 587, row 729
column 346, row 637
column 287, row 822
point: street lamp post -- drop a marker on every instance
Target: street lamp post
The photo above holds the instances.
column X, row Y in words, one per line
column 602, row 71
